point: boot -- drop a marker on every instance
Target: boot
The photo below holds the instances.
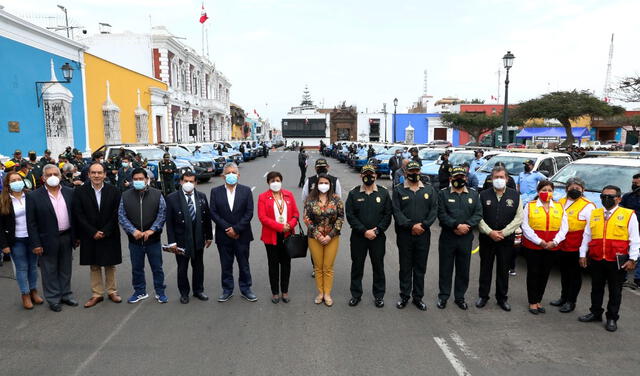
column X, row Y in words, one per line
column 26, row 301
column 35, row 298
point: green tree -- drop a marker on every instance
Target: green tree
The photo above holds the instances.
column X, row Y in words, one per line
column 473, row 123
column 566, row 106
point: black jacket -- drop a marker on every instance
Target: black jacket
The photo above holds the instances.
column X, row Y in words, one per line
column 180, row 229
column 458, row 208
column 238, row 217
column 42, row 222
column 8, row 229
column 411, row 207
column 366, row 211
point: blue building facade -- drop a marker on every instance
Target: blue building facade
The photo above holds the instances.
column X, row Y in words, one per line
column 427, row 127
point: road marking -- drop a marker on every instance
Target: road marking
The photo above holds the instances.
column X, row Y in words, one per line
column 633, row 292
column 254, row 187
column 273, row 165
column 462, row 345
column 264, row 176
column 451, row 357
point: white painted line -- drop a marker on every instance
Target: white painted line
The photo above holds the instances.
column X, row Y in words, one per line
column 265, row 174
column 273, row 165
column 462, row 345
column 451, row 357
column 633, row 291
column 254, row 187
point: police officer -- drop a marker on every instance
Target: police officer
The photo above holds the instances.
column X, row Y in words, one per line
column 415, row 207
column 478, row 161
column 414, row 156
column 36, row 168
column 78, row 161
column 368, row 210
column 112, row 170
column 17, row 157
column 68, row 153
column 46, row 159
column 528, row 179
column 444, row 172
column 167, row 170
column 459, row 210
column 501, row 216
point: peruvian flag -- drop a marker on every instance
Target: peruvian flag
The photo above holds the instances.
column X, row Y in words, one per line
column 203, row 15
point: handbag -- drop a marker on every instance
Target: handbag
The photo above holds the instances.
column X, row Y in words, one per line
column 297, row 244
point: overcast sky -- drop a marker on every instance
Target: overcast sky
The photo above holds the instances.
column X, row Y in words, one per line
column 368, row 52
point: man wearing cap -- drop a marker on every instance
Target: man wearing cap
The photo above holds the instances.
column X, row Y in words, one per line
column 528, row 179
column 167, row 170
column 472, row 178
column 137, row 161
column 46, row 159
column 459, row 210
column 414, row 156
column 78, row 161
column 415, row 207
column 35, row 167
column 322, row 167
column 488, row 182
column 17, row 157
column 27, row 176
column 478, row 161
column 68, row 153
column 444, row 172
column 368, row 210
column 10, row 166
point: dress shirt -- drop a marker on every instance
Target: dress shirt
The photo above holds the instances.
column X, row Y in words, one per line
column 60, row 207
column 231, row 196
column 528, row 181
column 98, row 193
column 21, row 216
column 634, row 237
column 476, row 164
column 530, row 234
column 509, row 229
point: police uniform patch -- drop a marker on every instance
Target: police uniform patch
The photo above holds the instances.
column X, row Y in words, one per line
column 471, row 201
column 452, row 200
column 571, row 212
column 620, row 217
column 426, row 196
column 360, row 199
column 509, row 202
column 405, row 197
column 378, row 200
column 488, row 202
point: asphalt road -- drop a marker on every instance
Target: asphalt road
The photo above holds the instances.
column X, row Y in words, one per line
column 300, row 338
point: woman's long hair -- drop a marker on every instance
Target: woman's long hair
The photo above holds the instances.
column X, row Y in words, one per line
column 5, row 196
column 315, row 193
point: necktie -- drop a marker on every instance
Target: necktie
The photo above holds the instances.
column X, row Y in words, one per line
column 607, row 214
column 192, row 209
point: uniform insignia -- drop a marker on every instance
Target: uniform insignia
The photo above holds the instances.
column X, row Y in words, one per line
column 426, row 196
column 509, row 202
column 488, row 202
column 596, row 219
column 537, row 211
column 471, row 201
column 571, row 212
column 378, row 200
column 360, row 199
column 452, row 200
column 620, row 217
column 405, row 197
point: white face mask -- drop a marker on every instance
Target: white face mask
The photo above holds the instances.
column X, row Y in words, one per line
column 53, row 181
column 324, row 187
column 499, row 183
column 275, row 186
column 188, row 187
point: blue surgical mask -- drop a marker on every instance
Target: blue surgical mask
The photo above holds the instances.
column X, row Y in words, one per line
column 231, row 179
column 17, row 186
column 139, row 184
column 125, row 164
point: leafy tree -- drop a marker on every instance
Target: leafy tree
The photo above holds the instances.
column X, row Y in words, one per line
column 473, row 123
column 565, row 106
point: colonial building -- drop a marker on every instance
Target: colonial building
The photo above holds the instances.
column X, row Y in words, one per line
column 344, row 123
column 306, row 123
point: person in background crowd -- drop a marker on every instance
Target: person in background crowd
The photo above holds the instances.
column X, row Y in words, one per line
column 142, row 214
column 189, row 228
column 444, row 172
column 400, row 174
column 70, row 176
column 371, row 152
column 46, row 158
column 405, row 153
column 414, row 156
column 488, row 183
column 302, row 163
column 167, row 170
column 578, row 210
column 232, row 210
column 52, row 235
column 35, row 168
column 395, row 163
column 459, row 211
column 472, row 178
column 27, row 175
column 62, row 160
column 501, row 216
column 137, row 161
column 324, row 217
column 78, row 161
column 478, row 161
column 368, row 210
column 631, row 200
column 528, row 179
column 17, row 157
column 321, row 167
column 96, row 212
column 544, row 227
column 68, row 153
column 112, row 170
column 610, row 246
column 265, row 150
column 14, row 238
column 278, row 214
column 125, row 177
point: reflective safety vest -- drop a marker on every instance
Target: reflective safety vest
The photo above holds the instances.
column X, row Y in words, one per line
column 545, row 224
column 573, row 239
column 609, row 237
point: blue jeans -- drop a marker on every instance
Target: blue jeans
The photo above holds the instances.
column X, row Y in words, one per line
column 26, row 265
column 154, row 255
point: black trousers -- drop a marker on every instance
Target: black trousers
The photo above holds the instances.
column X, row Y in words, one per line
column 303, row 176
column 413, row 254
column 539, row 263
column 279, row 266
column 501, row 252
column 376, row 249
column 570, row 275
column 513, row 256
column 55, row 268
column 454, row 250
column 197, row 273
column 606, row 272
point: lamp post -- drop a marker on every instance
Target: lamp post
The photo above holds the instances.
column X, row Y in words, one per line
column 507, row 59
column 395, row 110
column 384, row 111
column 66, row 18
column 67, row 73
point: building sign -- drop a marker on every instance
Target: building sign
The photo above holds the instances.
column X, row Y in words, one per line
column 547, row 138
column 14, row 126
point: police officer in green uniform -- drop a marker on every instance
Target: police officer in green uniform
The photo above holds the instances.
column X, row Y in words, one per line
column 368, row 210
column 36, row 168
column 137, row 161
column 459, row 210
column 78, row 161
column 17, row 157
column 46, row 159
column 167, row 170
column 415, row 207
column 68, row 153
column 112, row 169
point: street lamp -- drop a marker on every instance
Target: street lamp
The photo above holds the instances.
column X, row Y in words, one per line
column 67, row 73
column 507, row 59
column 66, row 18
column 384, row 111
column 395, row 110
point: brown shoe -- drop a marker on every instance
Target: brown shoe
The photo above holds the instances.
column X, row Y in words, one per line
column 35, row 298
column 114, row 297
column 93, row 301
column 26, row 301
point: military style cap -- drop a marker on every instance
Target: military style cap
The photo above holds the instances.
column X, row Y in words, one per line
column 321, row 163
column 17, row 151
column 529, row 161
column 166, row 155
column 413, row 165
column 368, row 168
column 458, row 170
column 47, row 151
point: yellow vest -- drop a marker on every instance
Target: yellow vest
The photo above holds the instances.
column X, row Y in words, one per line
column 539, row 220
column 616, row 228
column 573, row 211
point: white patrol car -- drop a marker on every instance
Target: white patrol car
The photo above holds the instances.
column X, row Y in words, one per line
column 545, row 162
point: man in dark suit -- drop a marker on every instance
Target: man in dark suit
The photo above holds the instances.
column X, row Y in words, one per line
column 95, row 208
column 232, row 210
column 189, row 227
column 124, row 174
column 52, row 237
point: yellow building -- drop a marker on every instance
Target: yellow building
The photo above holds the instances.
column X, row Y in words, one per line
column 119, row 104
column 583, row 121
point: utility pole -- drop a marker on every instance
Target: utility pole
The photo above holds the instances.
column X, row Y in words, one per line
column 66, row 18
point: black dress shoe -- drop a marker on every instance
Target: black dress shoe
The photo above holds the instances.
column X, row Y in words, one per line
column 379, row 302
column 201, row 296
column 275, row 300
column 354, row 301
column 442, row 304
column 533, row 311
column 590, row 317
column 55, row 307
column 461, row 304
column 225, row 296
column 558, row 302
column 542, row 310
column 402, row 303
column 611, row 325
column 184, row 299
column 419, row 304
column 505, row 306
column 481, row 302
column 567, row 307
column 285, row 300
column 70, row 302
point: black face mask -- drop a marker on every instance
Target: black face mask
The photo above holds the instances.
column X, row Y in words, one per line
column 574, row 194
column 527, row 168
column 635, row 188
column 413, row 177
column 608, row 201
column 458, row 183
column 321, row 170
column 368, row 180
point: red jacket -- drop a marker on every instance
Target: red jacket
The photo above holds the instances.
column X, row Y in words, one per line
column 267, row 217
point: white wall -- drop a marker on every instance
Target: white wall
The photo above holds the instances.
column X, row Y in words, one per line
column 132, row 51
column 363, row 126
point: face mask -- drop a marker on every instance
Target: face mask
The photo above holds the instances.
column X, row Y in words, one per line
column 527, row 168
column 275, row 186
column 608, row 201
column 634, row 187
column 321, row 170
column 368, row 180
column 574, row 194
column 125, row 164
column 231, row 179
column 413, row 177
column 545, row 196
column 100, row 161
column 499, row 183
column 17, row 186
column 53, row 181
column 139, row 184
column 324, row 187
column 188, row 187
column 458, row 183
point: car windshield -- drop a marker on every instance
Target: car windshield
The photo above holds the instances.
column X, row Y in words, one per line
column 178, row 152
column 597, row 176
column 456, row 159
column 151, row 154
column 207, row 148
column 514, row 164
column 429, row 154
